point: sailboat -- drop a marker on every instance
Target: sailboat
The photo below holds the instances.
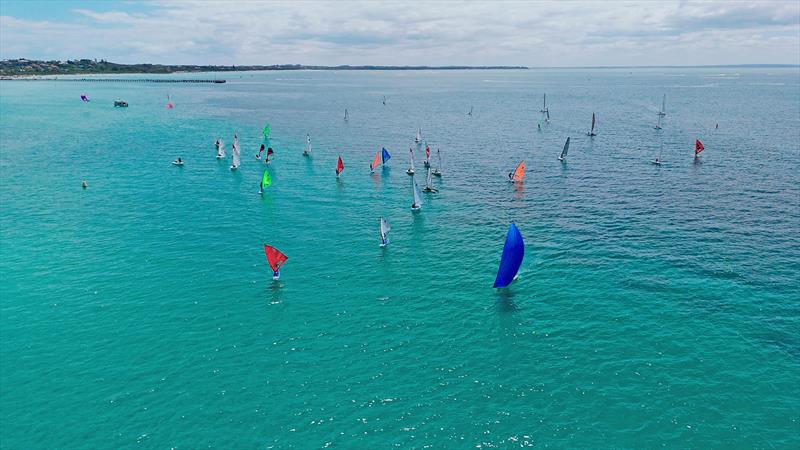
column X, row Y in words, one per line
column 410, row 170
column 544, row 104
column 663, row 111
column 594, row 121
column 385, row 228
column 658, row 122
column 518, row 174
column 563, row 156
column 385, row 155
column 266, row 180
column 339, row 166
column 438, row 170
column 346, row 117
column 384, row 99
column 470, row 111
column 418, row 138
column 511, row 260
column 220, row 149
column 427, row 155
column 275, row 259
column 169, row 103
column 547, row 115
column 307, row 151
column 417, row 196
column 698, row 147
column 428, row 183
column 235, row 161
column 658, row 160
column 375, row 162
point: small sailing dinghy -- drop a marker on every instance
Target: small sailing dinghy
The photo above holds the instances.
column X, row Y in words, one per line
column 385, row 228
column 563, row 156
column 266, row 180
column 511, row 260
column 307, row 151
column 438, row 171
column 544, row 104
column 275, row 259
column 663, row 111
column 384, row 99
column 169, row 103
column 260, row 151
column 429, row 183
column 410, row 170
column 518, row 175
column 594, row 121
column 418, row 137
column 177, row 162
column 427, row 155
column 220, row 148
column 385, row 155
column 658, row 121
column 417, row 205
column 698, row 147
column 346, row 117
column 375, row 162
column 470, row 111
column 339, row 166
column 235, row 155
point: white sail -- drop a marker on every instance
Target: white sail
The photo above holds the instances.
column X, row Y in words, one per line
column 544, row 103
column 236, row 154
column 385, row 228
column 307, row 151
column 411, row 152
column 429, row 180
column 565, row 150
column 663, row 106
column 658, row 123
column 417, row 195
column 221, row 149
column 419, row 136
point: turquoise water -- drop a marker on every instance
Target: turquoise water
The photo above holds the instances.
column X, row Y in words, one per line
column 655, row 307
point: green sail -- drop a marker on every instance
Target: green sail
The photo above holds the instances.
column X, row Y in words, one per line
column 266, row 180
column 266, row 131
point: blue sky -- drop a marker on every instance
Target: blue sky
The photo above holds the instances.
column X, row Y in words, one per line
column 541, row 33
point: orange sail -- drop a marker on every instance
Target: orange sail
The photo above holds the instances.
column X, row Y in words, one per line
column 376, row 161
column 519, row 174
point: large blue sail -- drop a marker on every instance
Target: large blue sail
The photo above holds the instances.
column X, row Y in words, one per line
column 385, row 155
column 513, row 252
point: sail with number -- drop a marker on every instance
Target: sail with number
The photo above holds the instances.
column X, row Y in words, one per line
column 511, row 260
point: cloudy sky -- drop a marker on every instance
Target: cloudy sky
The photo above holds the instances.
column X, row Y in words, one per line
column 533, row 33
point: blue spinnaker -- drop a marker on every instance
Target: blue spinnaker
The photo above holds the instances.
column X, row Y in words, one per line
column 385, row 155
column 513, row 252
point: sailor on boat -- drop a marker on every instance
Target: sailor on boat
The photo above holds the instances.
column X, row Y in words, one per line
column 178, row 162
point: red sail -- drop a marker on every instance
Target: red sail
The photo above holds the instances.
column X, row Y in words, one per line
column 275, row 258
column 376, row 161
column 339, row 166
column 698, row 147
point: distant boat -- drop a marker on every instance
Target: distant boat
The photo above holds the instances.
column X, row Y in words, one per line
column 518, row 174
column 220, row 149
column 438, row 170
column 547, row 115
column 417, row 196
column 698, row 147
column 410, row 170
column 427, row 155
column 470, row 111
column 275, row 259
column 594, row 121
column 385, row 155
column 658, row 122
column 663, row 111
column 511, row 260
column 346, row 117
column 385, row 228
column 339, row 166
column 375, row 162
column 418, row 138
column 169, row 103
column 429, row 183
column 120, row 104
column 307, row 151
column 544, row 104
column 266, row 131
column 658, row 159
column 563, row 156
column 384, row 99
column 235, row 154
column 266, row 180
column 84, row 98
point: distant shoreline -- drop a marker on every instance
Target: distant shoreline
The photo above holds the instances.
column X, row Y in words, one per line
column 24, row 68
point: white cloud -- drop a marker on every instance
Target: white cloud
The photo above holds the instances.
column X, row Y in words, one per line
column 432, row 33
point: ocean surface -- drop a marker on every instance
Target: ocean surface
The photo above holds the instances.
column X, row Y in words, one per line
column 656, row 307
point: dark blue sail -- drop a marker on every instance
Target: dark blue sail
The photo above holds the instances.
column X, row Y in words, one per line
column 385, row 155
column 513, row 252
